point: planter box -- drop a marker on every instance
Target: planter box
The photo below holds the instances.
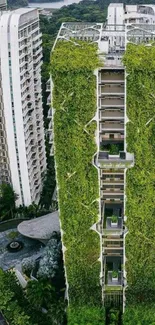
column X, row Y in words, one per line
column 114, row 224
column 115, row 279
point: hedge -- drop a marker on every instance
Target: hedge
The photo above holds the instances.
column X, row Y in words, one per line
column 140, row 182
column 74, row 102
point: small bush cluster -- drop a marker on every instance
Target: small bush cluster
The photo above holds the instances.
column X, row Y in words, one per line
column 49, row 263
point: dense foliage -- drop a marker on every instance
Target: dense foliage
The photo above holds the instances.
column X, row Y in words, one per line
column 139, row 315
column 25, row 307
column 140, row 189
column 17, row 3
column 49, row 264
column 7, row 201
column 86, row 316
column 74, row 101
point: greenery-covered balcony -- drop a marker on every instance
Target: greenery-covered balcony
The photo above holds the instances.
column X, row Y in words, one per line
column 113, row 271
column 121, row 160
column 114, row 278
column 111, row 148
column 112, row 137
column 114, row 112
column 112, row 216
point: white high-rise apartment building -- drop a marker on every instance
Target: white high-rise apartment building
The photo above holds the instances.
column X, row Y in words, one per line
column 21, row 102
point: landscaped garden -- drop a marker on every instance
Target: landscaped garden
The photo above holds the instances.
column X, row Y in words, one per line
column 31, row 278
column 140, row 187
column 74, row 102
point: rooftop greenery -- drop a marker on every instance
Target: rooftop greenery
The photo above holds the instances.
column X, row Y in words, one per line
column 74, row 101
column 140, row 190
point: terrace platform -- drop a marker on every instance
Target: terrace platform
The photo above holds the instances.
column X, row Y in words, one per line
column 40, row 228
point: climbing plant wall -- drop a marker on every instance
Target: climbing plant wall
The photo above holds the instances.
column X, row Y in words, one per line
column 140, row 181
column 74, row 102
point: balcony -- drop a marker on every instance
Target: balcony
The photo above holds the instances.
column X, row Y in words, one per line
column 49, row 113
column 113, row 226
column 113, row 275
column 50, row 126
column 112, row 101
column 114, row 278
column 112, row 198
column 112, row 76
column 109, row 210
column 111, row 137
column 111, row 88
column 121, row 160
column 111, row 126
column 48, row 86
column 111, row 113
column 111, row 176
column 49, row 100
column 50, row 138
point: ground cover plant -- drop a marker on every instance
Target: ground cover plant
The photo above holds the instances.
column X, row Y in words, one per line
column 74, row 102
column 140, row 182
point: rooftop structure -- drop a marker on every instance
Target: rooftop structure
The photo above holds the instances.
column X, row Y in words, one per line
column 40, row 228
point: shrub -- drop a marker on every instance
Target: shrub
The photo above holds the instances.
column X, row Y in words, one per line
column 49, row 264
column 114, row 218
column 28, row 264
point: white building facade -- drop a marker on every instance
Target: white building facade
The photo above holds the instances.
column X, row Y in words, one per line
column 3, row 5
column 21, row 60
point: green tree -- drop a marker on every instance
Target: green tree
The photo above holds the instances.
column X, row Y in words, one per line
column 40, row 294
column 9, row 294
column 7, row 201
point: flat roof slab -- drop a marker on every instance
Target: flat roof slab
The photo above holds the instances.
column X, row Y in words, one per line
column 40, row 228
